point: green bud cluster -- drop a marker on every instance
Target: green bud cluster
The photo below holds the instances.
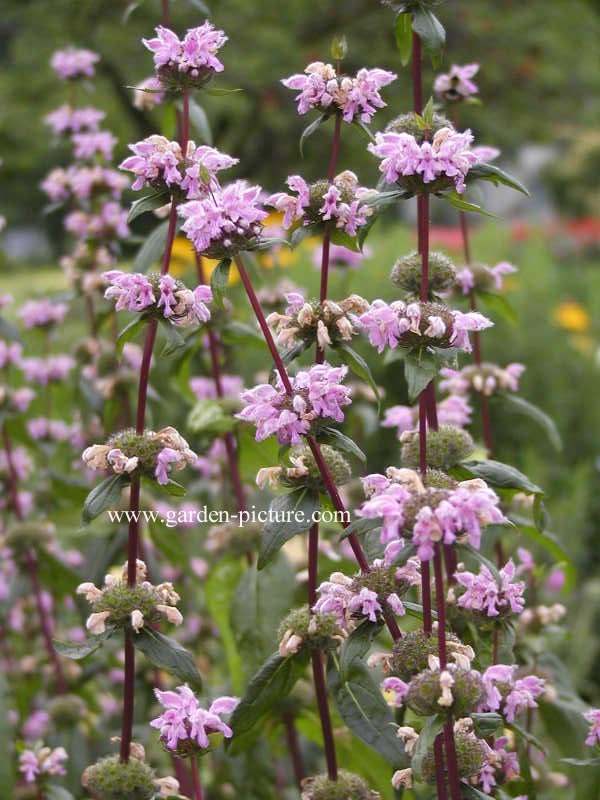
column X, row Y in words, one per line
column 66, row 710
column 446, row 447
column 338, row 466
column 411, row 339
column 406, row 273
column 412, row 124
column 318, row 632
column 470, row 758
column 347, row 787
column 111, row 779
column 31, row 534
column 121, row 600
column 140, row 445
column 424, row 692
column 411, row 653
column 381, row 580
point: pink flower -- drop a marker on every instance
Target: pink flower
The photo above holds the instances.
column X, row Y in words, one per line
column 184, row 720
column 10, row 353
column 89, row 145
column 74, row 120
column 398, row 689
column 454, row 410
column 457, row 84
column 166, row 456
column 204, row 388
column 484, row 595
column 317, row 392
column 42, row 761
column 226, row 221
column 593, row 717
column 148, row 94
column 40, row 313
column 355, row 97
column 46, row 370
column 195, row 55
column 463, row 323
column 400, row 417
column 72, row 63
column 132, row 291
column 507, row 695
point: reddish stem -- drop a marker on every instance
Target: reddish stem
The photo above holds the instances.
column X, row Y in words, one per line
column 165, row 12
column 185, row 124
column 31, row 563
column 198, row 793
column 145, row 376
column 496, row 642
column 323, row 706
column 294, row 747
column 313, row 564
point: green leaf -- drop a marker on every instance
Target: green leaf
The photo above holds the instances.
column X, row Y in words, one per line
column 403, row 35
column 478, row 556
column 364, row 128
column 261, row 600
column 219, row 280
column 209, row 417
column 550, row 543
column 362, row 707
column 430, row 30
column 582, row 762
column 79, row 650
column 166, row 653
column 526, row 736
column 487, row 724
column 56, row 573
column 500, row 304
column 357, row 645
column 489, row 172
column 502, row 476
column 129, row 332
column 456, row 200
column 148, row 203
column 338, row 439
column 199, row 121
column 430, row 731
column 219, row 592
column 420, row 368
column 152, row 249
column 340, row 237
column 174, row 341
column 271, row 684
column 200, row 6
column 339, row 48
column 471, row 793
column 289, row 514
column 295, row 351
column 300, row 233
column 310, row 129
column 221, row 92
column 537, row 415
column 172, row 487
column 359, row 367
column 102, row 497
column 8, row 330
column 54, row 792
column 359, row 526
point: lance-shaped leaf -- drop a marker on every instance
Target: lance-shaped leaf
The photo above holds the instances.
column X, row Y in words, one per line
column 199, row 121
column 537, row 415
column 420, row 368
column 310, row 129
column 148, row 203
column 360, row 525
column 486, row 724
column 219, row 592
column 501, row 476
column 498, row 303
column 403, row 35
column 152, row 249
column 102, row 497
column 338, row 439
column 129, row 332
column 271, row 684
column 289, row 514
column 166, row 653
column 357, row 645
column 463, row 205
column 431, row 31
column 430, row 731
column 490, row 172
column 359, row 367
column 362, row 707
column 219, row 280
column 79, row 650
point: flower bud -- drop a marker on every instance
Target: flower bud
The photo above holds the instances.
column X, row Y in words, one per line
column 457, row 690
column 446, row 447
column 347, row 787
column 303, row 632
column 111, row 779
column 66, row 710
column 406, row 273
column 470, row 757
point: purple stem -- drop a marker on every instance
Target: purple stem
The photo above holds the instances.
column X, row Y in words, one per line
column 31, row 563
column 294, row 747
column 198, row 792
column 323, row 706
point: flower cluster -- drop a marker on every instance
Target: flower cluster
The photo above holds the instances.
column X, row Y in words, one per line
column 355, row 97
column 159, row 162
column 303, row 631
column 152, row 454
column 226, row 221
column 485, row 595
column 37, row 763
column 480, row 277
column 457, row 84
column 158, row 295
column 42, row 313
column 327, row 323
column 426, row 515
column 87, row 146
column 81, row 182
column 317, row 393
column 67, row 120
column 47, row 370
column 342, row 202
column 187, row 62
column 303, row 471
column 593, row 717
column 102, row 226
column 485, row 378
column 438, row 164
column 117, row 604
column 508, row 694
column 420, row 325
column 367, row 596
column 501, row 765
column 74, row 63
column 185, row 727
column 452, row 410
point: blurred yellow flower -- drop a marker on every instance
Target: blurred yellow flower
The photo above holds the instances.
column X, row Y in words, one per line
column 572, row 317
column 183, row 259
